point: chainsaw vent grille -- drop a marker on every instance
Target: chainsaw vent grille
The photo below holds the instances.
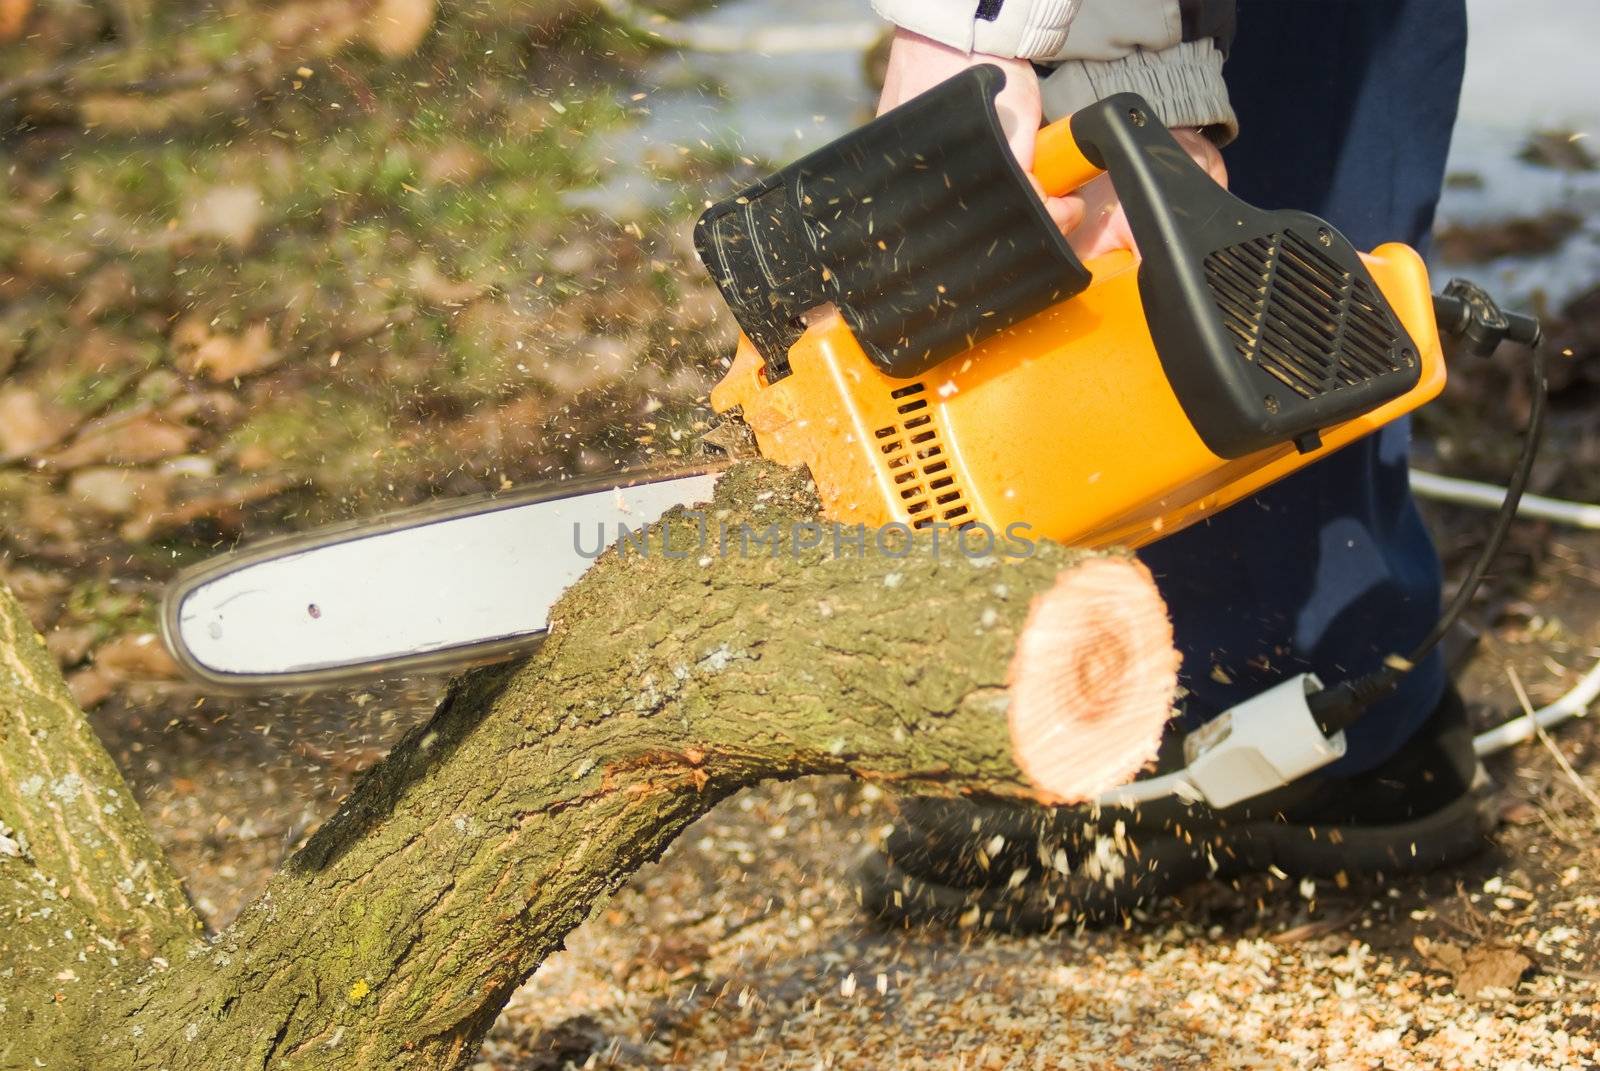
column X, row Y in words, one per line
column 1301, row 317
column 918, row 464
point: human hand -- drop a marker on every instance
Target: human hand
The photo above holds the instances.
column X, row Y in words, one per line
column 1105, row 223
column 917, row 64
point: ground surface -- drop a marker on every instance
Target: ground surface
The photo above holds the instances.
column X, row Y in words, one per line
column 743, row 947
column 238, row 299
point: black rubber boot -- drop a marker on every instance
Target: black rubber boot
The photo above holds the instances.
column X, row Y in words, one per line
column 1021, row 868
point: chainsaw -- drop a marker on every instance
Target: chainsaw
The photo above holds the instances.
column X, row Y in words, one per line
column 916, row 332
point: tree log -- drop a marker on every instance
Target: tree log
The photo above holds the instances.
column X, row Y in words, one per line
column 673, row 676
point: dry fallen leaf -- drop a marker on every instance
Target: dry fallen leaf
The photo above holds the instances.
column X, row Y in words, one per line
column 230, row 213
column 220, row 505
column 575, row 258
column 1492, row 968
column 1478, row 969
column 51, row 260
column 1516, row 812
column 124, row 112
column 69, row 646
column 494, row 431
column 221, row 357
column 37, row 591
column 139, row 655
column 396, row 27
column 124, row 440
column 108, row 289
column 29, row 423
column 90, row 686
column 454, row 163
column 117, row 492
column 254, row 457
column 429, row 283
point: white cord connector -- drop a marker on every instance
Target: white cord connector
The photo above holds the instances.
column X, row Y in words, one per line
column 1261, row 744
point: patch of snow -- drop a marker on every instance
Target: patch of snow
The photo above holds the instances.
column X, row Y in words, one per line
column 1530, row 67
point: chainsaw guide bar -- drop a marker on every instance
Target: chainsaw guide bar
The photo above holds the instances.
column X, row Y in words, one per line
column 450, row 584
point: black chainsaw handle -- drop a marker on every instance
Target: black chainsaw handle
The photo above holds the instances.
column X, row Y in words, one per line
column 920, row 227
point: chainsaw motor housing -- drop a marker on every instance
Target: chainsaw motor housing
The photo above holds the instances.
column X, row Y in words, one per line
column 1113, row 402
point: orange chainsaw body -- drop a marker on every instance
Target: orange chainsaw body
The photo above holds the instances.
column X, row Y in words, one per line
column 1064, row 422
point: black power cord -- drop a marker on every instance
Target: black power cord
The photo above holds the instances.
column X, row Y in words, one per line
column 1468, row 313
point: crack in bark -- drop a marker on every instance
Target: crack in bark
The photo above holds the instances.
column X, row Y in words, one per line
column 277, row 1038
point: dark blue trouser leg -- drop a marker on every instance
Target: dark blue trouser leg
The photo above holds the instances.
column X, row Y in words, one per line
column 1345, row 110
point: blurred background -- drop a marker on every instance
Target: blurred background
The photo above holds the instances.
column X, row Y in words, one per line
column 267, row 265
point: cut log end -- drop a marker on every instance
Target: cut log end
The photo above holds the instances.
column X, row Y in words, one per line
column 1092, row 680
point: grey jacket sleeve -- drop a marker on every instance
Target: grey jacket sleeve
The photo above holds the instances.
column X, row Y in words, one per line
column 1168, row 51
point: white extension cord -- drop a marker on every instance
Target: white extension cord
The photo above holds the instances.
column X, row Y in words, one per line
column 1488, row 496
column 1560, row 511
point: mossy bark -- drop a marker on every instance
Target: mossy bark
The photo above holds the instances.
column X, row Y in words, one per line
column 465, row 857
column 84, row 889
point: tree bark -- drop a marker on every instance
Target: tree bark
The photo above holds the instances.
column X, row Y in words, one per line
column 84, row 889
column 672, row 678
